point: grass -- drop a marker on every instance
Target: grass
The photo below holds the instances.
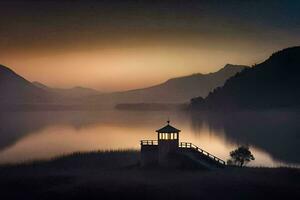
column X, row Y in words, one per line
column 94, row 159
column 116, row 175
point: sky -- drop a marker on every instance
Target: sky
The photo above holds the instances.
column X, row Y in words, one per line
column 114, row 45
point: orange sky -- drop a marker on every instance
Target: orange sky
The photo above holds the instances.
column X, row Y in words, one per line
column 112, row 69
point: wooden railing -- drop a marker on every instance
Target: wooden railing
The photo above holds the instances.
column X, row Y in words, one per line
column 149, row 142
column 188, row 145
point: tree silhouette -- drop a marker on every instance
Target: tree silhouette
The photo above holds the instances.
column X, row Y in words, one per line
column 240, row 156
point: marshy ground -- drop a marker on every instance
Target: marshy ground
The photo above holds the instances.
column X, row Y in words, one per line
column 117, row 175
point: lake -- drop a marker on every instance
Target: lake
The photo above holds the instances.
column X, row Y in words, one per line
column 273, row 136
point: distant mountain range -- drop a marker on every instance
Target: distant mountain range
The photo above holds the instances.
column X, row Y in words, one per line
column 272, row 84
column 14, row 89
column 175, row 90
column 75, row 92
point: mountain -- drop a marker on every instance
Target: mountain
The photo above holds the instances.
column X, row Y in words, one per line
column 14, row 89
column 176, row 90
column 75, row 92
column 273, row 83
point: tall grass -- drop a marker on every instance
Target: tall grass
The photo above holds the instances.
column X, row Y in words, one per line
column 93, row 159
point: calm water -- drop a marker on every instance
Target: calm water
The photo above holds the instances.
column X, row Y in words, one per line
column 274, row 136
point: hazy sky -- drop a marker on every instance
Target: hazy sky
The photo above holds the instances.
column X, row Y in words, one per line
column 118, row 45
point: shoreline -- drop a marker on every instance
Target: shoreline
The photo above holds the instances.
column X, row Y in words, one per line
column 116, row 174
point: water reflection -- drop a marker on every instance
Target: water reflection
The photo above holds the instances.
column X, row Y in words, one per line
column 41, row 135
column 276, row 132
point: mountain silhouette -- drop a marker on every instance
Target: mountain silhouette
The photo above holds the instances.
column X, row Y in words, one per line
column 271, row 84
column 14, row 89
column 175, row 90
column 75, row 92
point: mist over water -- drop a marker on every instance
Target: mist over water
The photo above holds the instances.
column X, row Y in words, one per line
column 272, row 135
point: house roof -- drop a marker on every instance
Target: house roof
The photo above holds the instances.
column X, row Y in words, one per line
column 168, row 129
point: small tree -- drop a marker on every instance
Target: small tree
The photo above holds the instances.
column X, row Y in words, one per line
column 240, row 156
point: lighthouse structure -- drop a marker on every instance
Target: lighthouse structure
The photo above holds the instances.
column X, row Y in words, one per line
column 168, row 151
column 168, row 143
